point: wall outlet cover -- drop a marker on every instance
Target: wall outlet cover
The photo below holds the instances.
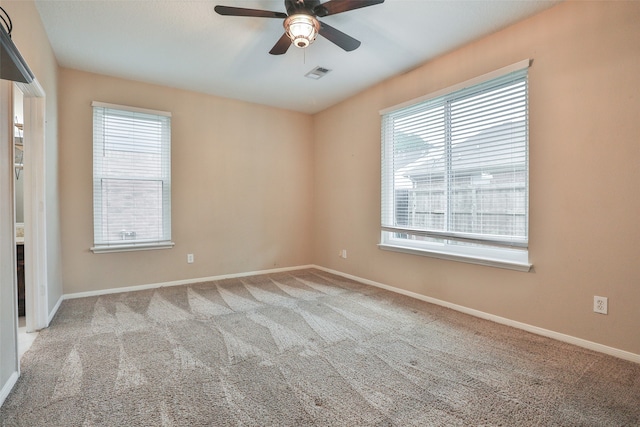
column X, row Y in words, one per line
column 600, row 304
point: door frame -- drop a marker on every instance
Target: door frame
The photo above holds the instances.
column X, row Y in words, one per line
column 35, row 213
column 36, row 292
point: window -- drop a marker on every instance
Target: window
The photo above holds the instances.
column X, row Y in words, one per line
column 131, row 178
column 455, row 172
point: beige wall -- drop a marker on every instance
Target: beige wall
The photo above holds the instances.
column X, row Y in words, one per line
column 584, row 177
column 241, row 190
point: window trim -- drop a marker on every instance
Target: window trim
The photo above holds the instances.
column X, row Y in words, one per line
column 140, row 245
column 132, row 247
column 470, row 259
column 505, row 253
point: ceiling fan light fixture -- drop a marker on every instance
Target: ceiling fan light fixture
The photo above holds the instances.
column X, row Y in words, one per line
column 302, row 29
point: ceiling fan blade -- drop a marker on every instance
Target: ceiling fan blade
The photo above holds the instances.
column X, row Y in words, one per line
column 339, row 38
column 241, row 11
column 338, row 6
column 281, row 45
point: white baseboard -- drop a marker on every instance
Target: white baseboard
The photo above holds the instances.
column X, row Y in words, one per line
column 622, row 354
column 6, row 389
column 180, row 282
column 55, row 310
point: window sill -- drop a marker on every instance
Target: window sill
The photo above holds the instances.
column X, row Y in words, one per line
column 131, row 247
column 491, row 262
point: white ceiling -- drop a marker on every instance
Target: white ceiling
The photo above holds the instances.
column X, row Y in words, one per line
column 185, row 44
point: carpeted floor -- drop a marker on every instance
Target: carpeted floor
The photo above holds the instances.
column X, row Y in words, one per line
column 305, row 348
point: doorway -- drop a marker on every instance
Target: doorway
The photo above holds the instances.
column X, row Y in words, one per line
column 25, row 336
column 25, row 339
column 28, row 117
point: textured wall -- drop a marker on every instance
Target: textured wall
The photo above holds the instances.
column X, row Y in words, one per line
column 584, row 176
column 241, row 191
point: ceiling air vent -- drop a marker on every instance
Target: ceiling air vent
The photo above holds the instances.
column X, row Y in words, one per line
column 317, row 73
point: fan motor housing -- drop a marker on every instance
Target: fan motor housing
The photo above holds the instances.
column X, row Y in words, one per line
column 301, row 6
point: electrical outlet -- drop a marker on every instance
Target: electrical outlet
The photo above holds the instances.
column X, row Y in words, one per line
column 344, row 254
column 600, row 304
column 190, row 258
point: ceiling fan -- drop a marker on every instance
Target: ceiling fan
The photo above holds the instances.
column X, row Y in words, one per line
column 301, row 22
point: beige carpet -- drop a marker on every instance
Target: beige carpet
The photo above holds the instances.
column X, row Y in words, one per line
column 300, row 349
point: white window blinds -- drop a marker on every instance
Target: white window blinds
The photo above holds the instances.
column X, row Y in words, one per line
column 131, row 178
column 455, row 168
